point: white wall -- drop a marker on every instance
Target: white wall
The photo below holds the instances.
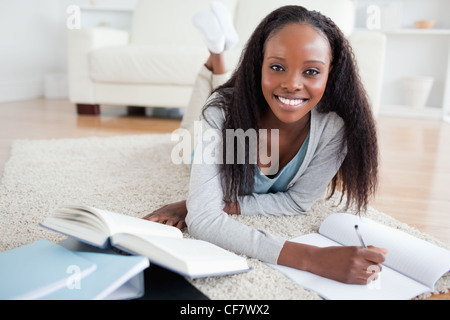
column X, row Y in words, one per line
column 33, row 43
column 412, row 10
column 413, row 54
column 28, row 46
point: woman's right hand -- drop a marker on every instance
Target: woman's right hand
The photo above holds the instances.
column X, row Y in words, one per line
column 352, row 265
column 173, row 214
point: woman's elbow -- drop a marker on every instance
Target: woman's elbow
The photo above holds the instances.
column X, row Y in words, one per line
column 196, row 226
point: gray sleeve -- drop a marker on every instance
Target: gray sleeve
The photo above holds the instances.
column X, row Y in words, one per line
column 206, row 219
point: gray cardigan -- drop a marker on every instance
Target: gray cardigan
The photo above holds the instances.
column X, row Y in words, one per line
column 206, row 219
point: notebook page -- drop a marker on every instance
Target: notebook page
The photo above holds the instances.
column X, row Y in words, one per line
column 416, row 258
column 389, row 286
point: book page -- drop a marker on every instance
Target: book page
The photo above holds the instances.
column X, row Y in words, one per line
column 416, row 258
column 390, row 285
column 121, row 223
column 191, row 257
column 83, row 218
column 78, row 229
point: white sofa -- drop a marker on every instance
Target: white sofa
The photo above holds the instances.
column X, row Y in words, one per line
column 156, row 62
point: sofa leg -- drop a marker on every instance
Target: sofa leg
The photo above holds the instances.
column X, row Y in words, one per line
column 136, row 111
column 88, row 109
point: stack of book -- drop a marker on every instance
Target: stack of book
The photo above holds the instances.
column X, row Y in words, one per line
column 45, row 270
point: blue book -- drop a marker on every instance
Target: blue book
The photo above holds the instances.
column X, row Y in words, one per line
column 40, row 268
column 116, row 277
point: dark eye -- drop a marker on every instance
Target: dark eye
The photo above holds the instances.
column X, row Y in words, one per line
column 276, row 67
column 312, row 72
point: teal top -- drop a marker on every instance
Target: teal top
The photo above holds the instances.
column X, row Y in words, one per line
column 279, row 183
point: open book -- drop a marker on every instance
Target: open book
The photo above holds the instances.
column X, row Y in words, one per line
column 163, row 245
column 412, row 265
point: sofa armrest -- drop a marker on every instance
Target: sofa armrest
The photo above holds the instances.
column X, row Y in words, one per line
column 370, row 51
column 80, row 43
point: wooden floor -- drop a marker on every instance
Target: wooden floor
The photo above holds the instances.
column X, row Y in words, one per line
column 415, row 154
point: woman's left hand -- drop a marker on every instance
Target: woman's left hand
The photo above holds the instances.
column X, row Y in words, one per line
column 173, row 214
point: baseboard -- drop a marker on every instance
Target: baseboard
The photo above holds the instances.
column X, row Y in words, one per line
column 21, row 90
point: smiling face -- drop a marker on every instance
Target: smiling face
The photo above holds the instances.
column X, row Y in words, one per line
column 295, row 71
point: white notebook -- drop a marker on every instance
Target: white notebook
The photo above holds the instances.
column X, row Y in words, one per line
column 412, row 265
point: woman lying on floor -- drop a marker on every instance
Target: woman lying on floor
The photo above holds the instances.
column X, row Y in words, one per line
column 297, row 77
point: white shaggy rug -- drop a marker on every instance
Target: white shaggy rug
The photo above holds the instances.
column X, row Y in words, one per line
column 134, row 175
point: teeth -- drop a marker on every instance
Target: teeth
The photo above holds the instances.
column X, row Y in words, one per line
column 291, row 102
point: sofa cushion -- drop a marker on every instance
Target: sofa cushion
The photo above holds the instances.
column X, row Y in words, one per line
column 160, row 64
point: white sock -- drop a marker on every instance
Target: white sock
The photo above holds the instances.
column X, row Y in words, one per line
column 210, row 28
column 225, row 18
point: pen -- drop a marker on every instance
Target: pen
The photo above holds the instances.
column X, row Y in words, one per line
column 359, row 236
